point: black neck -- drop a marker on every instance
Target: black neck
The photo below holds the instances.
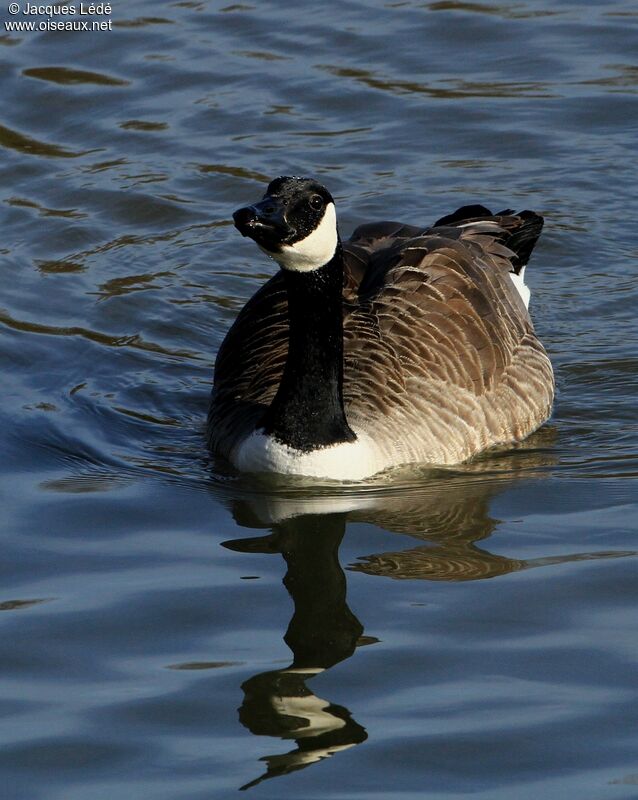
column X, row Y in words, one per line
column 307, row 411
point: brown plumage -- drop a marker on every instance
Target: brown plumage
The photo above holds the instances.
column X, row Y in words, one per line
column 441, row 360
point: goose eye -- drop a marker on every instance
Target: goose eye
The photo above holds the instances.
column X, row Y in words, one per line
column 316, row 201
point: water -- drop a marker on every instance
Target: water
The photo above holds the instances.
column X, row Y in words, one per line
column 458, row 631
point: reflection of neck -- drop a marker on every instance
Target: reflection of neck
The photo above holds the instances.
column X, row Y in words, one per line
column 307, row 411
column 323, row 630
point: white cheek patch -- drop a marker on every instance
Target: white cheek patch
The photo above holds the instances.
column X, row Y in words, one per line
column 315, row 250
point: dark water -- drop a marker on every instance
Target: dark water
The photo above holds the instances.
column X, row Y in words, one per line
column 467, row 631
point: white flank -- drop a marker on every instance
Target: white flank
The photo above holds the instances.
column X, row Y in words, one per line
column 520, row 286
column 315, row 250
column 347, row 461
column 482, row 223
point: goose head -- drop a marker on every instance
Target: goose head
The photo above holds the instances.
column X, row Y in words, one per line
column 295, row 223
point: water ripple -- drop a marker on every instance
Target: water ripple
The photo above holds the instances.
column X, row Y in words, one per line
column 14, row 140
column 69, row 76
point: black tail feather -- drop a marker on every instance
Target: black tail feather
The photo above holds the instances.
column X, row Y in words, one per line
column 523, row 238
column 463, row 213
column 519, row 233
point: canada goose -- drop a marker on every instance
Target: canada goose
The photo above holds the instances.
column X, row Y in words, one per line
column 402, row 345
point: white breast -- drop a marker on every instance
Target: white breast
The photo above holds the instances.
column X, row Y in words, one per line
column 347, row 461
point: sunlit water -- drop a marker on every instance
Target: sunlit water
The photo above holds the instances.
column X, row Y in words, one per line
column 447, row 633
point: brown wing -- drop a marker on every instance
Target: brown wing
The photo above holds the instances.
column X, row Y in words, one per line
column 441, row 345
column 249, row 365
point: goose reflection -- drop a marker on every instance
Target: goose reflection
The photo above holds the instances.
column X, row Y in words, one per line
column 448, row 515
column 322, row 632
column 449, row 524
